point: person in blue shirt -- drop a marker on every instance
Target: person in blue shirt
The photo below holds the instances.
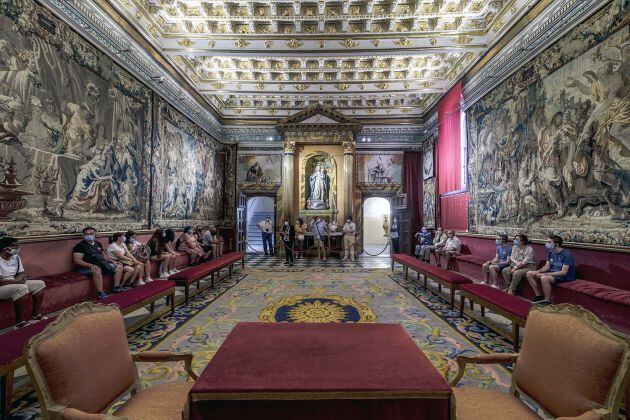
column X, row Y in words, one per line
column 493, row 267
column 559, row 268
column 424, row 241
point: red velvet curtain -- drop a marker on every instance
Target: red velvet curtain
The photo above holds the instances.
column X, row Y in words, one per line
column 454, row 211
column 412, row 186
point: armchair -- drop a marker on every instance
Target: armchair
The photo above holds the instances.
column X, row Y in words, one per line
column 81, row 365
column 571, row 364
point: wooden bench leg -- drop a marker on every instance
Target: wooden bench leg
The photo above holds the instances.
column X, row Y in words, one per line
column 452, row 297
column 425, row 282
column 462, row 303
column 515, row 335
column 418, row 276
column 198, row 283
column 439, row 288
column 172, row 301
column 406, row 272
column 152, row 307
column 472, row 305
column 6, row 393
column 243, row 263
column 483, row 311
column 186, row 294
column 212, row 281
column 230, row 271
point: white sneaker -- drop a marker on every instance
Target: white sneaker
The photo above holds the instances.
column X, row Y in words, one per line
column 494, row 286
column 164, row 275
column 175, row 270
column 483, row 282
column 140, row 283
column 148, row 280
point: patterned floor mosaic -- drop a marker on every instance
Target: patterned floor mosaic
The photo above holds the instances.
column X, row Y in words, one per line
column 311, row 291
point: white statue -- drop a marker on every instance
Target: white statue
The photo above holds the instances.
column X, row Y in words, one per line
column 319, row 189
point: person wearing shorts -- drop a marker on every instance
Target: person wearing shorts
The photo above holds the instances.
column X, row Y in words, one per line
column 559, row 268
column 491, row 269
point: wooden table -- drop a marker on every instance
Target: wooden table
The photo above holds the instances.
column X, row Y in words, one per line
column 319, row 371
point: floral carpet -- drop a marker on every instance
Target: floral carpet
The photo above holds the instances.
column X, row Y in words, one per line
column 312, row 295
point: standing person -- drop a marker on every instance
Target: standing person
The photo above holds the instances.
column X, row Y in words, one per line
column 491, row 268
column 394, row 236
column 117, row 251
column 319, row 232
column 288, row 237
column 140, row 252
column 159, row 253
column 349, row 232
column 425, row 240
column 559, row 268
column 15, row 286
column 521, row 261
column 267, row 231
column 90, row 260
column 452, row 246
column 300, row 230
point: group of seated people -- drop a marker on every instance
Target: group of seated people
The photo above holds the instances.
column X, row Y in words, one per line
column 514, row 262
column 126, row 259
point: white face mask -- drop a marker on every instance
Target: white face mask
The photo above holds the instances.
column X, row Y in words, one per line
column 14, row 251
column 286, row 223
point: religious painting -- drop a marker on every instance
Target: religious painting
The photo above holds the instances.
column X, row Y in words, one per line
column 320, row 182
column 74, row 128
column 259, row 169
column 550, row 146
column 191, row 187
column 427, row 160
column 428, row 203
column 380, row 168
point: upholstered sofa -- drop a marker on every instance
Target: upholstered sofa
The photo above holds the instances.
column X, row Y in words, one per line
column 602, row 285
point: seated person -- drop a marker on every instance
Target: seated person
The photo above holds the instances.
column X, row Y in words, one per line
column 132, row 268
column 190, row 246
column 521, row 261
column 199, row 235
column 90, row 260
column 559, row 268
column 15, row 286
column 451, row 247
column 211, row 237
column 425, row 239
column 439, row 240
column 170, row 246
column 496, row 265
column 140, row 252
column 159, row 253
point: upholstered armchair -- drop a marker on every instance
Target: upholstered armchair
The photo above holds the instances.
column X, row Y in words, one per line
column 81, row 365
column 571, row 364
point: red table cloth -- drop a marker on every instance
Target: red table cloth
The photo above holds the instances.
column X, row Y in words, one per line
column 319, row 371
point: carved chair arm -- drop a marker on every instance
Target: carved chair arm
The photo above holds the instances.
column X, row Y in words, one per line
column 481, row 359
column 166, row 356
column 596, row 414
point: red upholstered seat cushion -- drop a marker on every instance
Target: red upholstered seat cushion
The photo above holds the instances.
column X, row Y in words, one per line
column 192, row 274
column 508, row 303
column 138, row 294
column 473, row 259
column 55, row 280
column 431, row 270
column 13, row 341
column 598, row 290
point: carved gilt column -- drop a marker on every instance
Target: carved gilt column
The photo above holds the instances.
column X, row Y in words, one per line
column 287, row 181
column 348, row 176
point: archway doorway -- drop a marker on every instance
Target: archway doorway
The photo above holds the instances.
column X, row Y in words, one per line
column 374, row 211
column 258, row 208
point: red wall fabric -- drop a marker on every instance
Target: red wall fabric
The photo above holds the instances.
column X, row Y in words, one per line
column 449, row 141
column 412, row 186
column 454, row 211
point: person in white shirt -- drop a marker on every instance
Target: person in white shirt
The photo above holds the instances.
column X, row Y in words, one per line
column 266, row 226
column 319, row 232
column 132, row 268
column 15, row 286
column 140, row 252
column 451, row 248
column 349, row 232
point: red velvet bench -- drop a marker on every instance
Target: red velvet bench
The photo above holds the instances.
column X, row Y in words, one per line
column 511, row 307
column 195, row 274
column 141, row 296
column 443, row 277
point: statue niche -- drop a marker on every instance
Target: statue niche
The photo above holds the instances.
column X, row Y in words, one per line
column 320, row 177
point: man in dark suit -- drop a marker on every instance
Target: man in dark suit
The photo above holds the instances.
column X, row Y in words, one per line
column 288, row 238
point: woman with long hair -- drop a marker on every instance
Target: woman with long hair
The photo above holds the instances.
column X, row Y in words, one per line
column 159, row 253
column 140, row 252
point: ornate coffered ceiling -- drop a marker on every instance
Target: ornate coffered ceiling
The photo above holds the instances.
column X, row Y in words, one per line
column 371, row 59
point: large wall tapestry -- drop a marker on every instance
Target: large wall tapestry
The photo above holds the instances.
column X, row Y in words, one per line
column 550, row 146
column 428, row 203
column 190, row 165
column 259, row 169
column 74, row 129
column 380, row 168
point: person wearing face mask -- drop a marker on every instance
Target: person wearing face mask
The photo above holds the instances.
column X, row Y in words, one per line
column 319, row 232
column 158, row 252
column 491, row 268
column 190, row 246
column 394, row 236
column 266, row 228
column 349, row 232
column 559, row 268
column 140, row 252
column 133, row 271
column 300, row 231
column 521, row 261
column 288, row 237
column 91, row 261
column 14, row 284
column 425, row 240
column 211, row 237
column 452, row 246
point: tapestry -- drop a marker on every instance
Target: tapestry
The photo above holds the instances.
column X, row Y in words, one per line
column 380, row 168
column 189, row 178
column 428, row 203
column 427, row 160
column 550, row 146
column 259, row 169
column 74, row 127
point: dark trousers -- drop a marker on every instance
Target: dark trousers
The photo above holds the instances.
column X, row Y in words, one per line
column 396, row 245
column 267, row 243
column 288, row 252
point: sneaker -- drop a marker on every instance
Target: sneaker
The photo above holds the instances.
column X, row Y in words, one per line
column 536, row 299
column 148, row 280
column 352, row 259
column 140, row 283
column 102, row 295
column 170, row 272
column 543, row 302
column 176, row 270
column 20, row 325
column 344, row 259
column 118, row 289
column 494, row 286
column 164, row 275
column 483, row 282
